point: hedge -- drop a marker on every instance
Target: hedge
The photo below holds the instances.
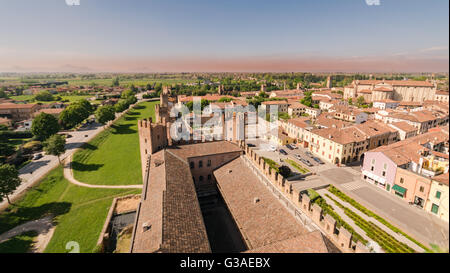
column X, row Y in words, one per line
column 369, row 213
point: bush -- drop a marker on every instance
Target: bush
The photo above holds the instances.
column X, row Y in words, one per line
column 32, row 146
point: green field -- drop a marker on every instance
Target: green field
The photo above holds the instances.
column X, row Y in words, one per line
column 113, row 157
column 31, row 98
column 80, row 213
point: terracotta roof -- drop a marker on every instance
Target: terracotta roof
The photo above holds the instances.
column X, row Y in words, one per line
column 312, row 242
column 442, row 178
column 328, row 121
column 397, row 83
column 404, row 126
column 274, row 102
column 205, row 148
column 17, row 106
column 265, row 223
column 383, row 89
column 440, row 92
column 342, row 136
column 299, row 122
column 170, row 210
column 365, row 91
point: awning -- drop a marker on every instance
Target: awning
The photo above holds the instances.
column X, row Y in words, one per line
column 399, row 189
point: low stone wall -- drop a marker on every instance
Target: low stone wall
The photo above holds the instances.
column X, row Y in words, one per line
column 341, row 237
column 104, row 235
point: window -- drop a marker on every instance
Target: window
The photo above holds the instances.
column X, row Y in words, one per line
column 438, row 194
column 385, row 166
column 145, row 151
column 209, row 177
column 371, row 168
column 384, row 173
column 434, row 208
column 145, row 140
column 402, row 180
column 373, row 161
column 200, row 164
column 209, row 163
column 421, row 189
column 201, row 178
column 192, row 165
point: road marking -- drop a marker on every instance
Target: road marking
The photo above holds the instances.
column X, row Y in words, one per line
column 351, row 186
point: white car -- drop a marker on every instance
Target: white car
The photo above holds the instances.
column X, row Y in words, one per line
column 272, row 148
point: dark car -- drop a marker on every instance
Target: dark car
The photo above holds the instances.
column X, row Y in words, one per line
column 283, row 152
column 318, row 160
column 289, row 147
column 37, row 156
column 251, row 145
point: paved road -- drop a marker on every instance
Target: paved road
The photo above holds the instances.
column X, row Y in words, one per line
column 414, row 221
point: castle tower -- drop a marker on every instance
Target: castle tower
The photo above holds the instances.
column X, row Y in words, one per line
column 220, row 90
column 263, row 88
column 329, row 82
column 152, row 138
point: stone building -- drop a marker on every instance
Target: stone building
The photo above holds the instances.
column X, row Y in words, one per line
column 414, row 91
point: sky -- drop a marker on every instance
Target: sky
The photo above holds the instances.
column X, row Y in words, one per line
column 224, row 36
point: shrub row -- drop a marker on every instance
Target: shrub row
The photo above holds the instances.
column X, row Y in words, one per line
column 327, row 209
column 369, row 213
column 382, row 238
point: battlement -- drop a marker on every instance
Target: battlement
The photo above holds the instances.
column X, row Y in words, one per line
column 341, row 237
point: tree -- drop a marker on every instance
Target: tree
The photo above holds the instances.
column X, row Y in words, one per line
column 285, row 171
column 55, row 145
column 360, row 100
column 105, row 113
column 3, row 93
column 75, row 113
column 44, row 125
column 44, row 96
column 121, row 106
column 115, row 81
column 9, row 181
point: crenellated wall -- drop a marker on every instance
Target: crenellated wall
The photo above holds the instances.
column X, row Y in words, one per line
column 340, row 237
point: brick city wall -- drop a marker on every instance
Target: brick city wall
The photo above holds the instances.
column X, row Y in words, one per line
column 341, row 237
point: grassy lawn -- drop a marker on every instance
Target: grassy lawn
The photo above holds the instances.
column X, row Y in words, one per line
column 297, row 166
column 80, row 213
column 113, row 157
column 18, row 244
column 69, row 98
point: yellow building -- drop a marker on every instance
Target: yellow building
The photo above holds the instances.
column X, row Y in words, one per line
column 437, row 202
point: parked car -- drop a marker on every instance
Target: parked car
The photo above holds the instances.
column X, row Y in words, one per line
column 307, row 162
column 283, row 152
column 251, row 145
column 318, row 160
column 272, row 148
column 289, row 147
column 37, row 156
column 298, row 157
column 308, row 153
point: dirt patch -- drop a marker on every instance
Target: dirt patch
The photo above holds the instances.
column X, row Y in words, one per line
column 124, row 240
column 42, row 240
column 127, row 204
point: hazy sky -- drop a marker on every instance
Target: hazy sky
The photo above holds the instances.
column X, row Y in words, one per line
column 225, row 35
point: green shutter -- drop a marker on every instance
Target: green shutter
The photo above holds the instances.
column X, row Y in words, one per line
column 438, row 194
column 434, row 208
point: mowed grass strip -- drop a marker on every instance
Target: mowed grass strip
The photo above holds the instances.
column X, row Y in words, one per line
column 79, row 213
column 113, row 157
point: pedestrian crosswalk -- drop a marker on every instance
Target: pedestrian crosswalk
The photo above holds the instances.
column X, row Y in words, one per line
column 351, row 186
